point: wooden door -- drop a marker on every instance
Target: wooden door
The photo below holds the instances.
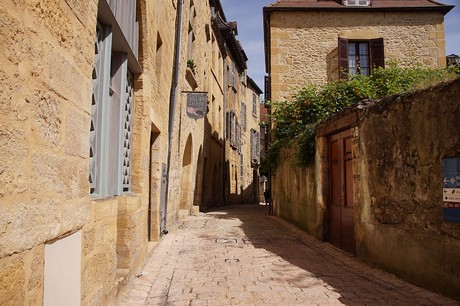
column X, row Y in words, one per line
column 341, row 211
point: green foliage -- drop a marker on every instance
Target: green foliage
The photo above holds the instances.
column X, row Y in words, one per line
column 191, row 65
column 296, row 120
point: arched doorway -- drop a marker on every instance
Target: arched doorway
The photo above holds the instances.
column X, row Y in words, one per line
column 198, row 194
column 186, row 192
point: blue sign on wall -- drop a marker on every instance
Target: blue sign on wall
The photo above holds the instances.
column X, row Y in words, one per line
column 451, row 189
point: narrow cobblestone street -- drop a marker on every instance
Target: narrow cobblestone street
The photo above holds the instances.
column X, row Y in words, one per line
column 241, row 256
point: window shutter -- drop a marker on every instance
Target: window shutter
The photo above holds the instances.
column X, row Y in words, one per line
column 227, row 125
column 377, row 52
column 343, row 58
column 127, row 132
column 258, row 147
column 252, row 144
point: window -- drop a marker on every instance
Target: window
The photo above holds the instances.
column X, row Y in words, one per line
column 191, row 32
column 238, row 137
column 360, row 57
column 242, row 169
column 112, row 107
column 356, row 2
column 254, row 104
column 243, row 77
column 232, row 129
column 159, row 59
column 234, row 74
column 243, row 116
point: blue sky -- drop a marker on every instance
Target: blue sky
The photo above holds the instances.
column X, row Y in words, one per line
column 248, row 14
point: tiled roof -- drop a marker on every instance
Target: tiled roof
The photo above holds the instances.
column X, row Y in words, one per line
column 375, row 5
column 228, row 31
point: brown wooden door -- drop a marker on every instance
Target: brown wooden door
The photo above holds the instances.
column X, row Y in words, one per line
column 341, row 211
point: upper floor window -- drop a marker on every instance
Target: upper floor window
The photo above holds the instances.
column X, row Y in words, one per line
column 113, row 102
column 191, row 32
column 243, row 116
column 360, row 56
column 356, row 2
column 254, row 104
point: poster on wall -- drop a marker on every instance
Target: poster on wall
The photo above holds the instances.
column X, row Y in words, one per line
column 451, row 189
column 197, row 104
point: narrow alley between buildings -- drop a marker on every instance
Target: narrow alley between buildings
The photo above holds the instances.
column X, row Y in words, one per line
column 241, row 256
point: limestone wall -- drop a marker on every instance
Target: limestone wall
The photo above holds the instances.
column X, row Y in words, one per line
column 294, row 194
column 304, row 44
column 298, row 194
column 45, row 92
column 398, row 147
column 400, row 226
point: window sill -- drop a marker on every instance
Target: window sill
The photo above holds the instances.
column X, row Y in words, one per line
column 97, row 198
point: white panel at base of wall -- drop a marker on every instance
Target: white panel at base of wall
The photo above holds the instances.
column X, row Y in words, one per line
column 63, row 271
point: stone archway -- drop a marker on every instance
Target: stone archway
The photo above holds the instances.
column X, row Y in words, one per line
column 186, row 190
column 198, row 193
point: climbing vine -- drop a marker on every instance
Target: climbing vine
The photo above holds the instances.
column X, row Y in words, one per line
column 295, row 121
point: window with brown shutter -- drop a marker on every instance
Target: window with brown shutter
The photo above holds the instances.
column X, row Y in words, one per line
column 359, row 57
column 343, row 58
column 377, row 53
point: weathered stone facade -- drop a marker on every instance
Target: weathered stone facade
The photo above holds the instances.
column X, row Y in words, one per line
column 44, row 144
column 46, row 86
column 394, row 205
column 397, row 178
column 302, row 48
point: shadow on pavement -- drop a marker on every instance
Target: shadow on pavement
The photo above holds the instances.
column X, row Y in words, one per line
column 313, row 265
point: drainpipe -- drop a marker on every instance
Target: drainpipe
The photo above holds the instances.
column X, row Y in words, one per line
column 172, row 101
column 226, row 171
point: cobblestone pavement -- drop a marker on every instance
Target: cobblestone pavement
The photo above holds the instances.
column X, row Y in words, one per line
column 241, row 256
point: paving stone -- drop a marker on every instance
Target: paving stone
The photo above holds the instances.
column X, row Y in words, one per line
column 241, row 256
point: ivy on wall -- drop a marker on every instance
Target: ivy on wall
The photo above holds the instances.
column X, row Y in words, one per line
column 295, row 121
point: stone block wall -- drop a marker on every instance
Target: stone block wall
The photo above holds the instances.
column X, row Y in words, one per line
column 304, row 44
column 294, row 194
column 45, row 91
column 398, row 147
column 400, row 226
column 297, row 194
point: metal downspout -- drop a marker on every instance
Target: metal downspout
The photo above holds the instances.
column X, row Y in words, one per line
column 226, row 171
column 172, row 101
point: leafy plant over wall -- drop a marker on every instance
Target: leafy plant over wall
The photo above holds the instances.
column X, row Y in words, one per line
column 295, row 121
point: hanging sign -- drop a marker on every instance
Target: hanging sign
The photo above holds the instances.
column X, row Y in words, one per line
column 197, row 104
column 267, row 88
column 451, row 189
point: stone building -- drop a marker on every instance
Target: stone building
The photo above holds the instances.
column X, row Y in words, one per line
column 112, row 113
column 250, row 155
column 314, row 42
column 375, row 189
column 241, row 100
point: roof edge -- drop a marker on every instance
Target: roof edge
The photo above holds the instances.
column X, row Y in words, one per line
column 443, row 8
column 254, row 85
